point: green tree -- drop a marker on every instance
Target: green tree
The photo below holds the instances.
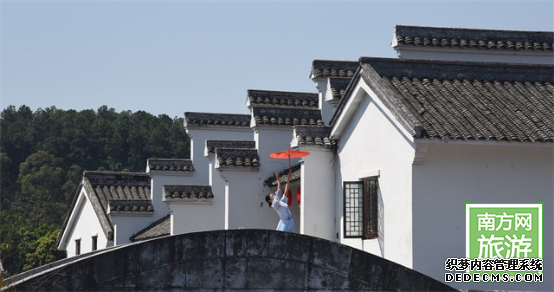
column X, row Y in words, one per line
column 41, row 178
column 45, row 251
column 6, row 182
column 43, row 155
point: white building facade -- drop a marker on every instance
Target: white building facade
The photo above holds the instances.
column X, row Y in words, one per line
column 397, row 147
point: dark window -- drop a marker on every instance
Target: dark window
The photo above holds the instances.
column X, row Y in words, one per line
column 95, row 242
column 353, row 209
column 371, row 189
column 360, row 208
column 77, row 246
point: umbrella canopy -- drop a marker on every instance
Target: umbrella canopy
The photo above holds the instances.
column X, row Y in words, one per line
column 288, row 154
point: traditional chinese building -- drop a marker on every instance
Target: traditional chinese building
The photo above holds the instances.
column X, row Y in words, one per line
column 397, row 147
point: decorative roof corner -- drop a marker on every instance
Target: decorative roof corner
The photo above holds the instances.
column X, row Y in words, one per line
column 237, row 159
column 464, row 38
column 130, row 207
column 199, row 194
column 332, row 68
column 170, row 165
column 314, row 136
column 282, row 99
column 337, row 87
column 212, row 145
column 286, row 117
column 196, row 119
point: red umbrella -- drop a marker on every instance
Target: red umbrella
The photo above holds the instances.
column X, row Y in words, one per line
column 288, row 154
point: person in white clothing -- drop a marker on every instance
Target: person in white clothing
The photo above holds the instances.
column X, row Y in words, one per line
column 278, row 201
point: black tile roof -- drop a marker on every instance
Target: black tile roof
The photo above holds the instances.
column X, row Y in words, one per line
column 268, row 98
column 271, row 181
column 158, row 228
column 286, row 117
column 170, row 164
column 474, row 38
column 117, row 191
column 338, row 86
column 237, row 157
column 465, row 101
column 211, row 145
column 214, row 119
column 330, row 68
column 316, row 136
column 126, row 206
column 127, row 180
column 188, row 193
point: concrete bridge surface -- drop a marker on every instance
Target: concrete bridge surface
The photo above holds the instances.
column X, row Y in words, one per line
column 226, row 260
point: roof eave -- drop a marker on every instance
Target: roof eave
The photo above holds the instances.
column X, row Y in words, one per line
column 99, row 210
column 171, row 173
column 130, row 213
column 188, row 201
column 216, row 128
column 70, row 219
column 341, row 117
column 367, row 77
column 402, row 115
column 237, row 168
column 134, row 237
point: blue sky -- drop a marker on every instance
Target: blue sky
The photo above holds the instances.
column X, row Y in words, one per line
column 172, row 57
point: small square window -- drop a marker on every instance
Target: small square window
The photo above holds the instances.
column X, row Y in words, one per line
column 77, row 246
column 94, row 242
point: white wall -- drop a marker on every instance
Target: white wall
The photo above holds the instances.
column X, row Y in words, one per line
column 193, row 217
column 475, row 55
column 246, row 200
column 242, row 191
column 374, row 144
column 157, row 181
column 317, row 215
column 488, row 173
column 198, row 137
column 327, row 109
column 127, row 225
column 86, row 225
column 218, row 189
column 268, row 140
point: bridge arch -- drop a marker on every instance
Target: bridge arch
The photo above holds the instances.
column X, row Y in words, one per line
column 227, row 260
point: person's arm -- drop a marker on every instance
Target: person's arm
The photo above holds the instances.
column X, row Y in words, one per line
column 287, row 185
column 278, row 181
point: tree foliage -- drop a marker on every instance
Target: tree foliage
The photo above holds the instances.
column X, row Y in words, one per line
column 43, row 155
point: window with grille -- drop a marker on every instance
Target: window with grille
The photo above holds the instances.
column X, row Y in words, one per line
column 353, row 209
column 360, row 208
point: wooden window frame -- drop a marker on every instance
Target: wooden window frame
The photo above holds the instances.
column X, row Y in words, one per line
column 345, row 211
column 370, row 195
column 371, row 208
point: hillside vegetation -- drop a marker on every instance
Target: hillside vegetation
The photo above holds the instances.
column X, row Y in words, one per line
column 43, row 156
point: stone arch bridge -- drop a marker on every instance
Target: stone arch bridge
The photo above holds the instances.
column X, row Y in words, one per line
column 230, row 260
